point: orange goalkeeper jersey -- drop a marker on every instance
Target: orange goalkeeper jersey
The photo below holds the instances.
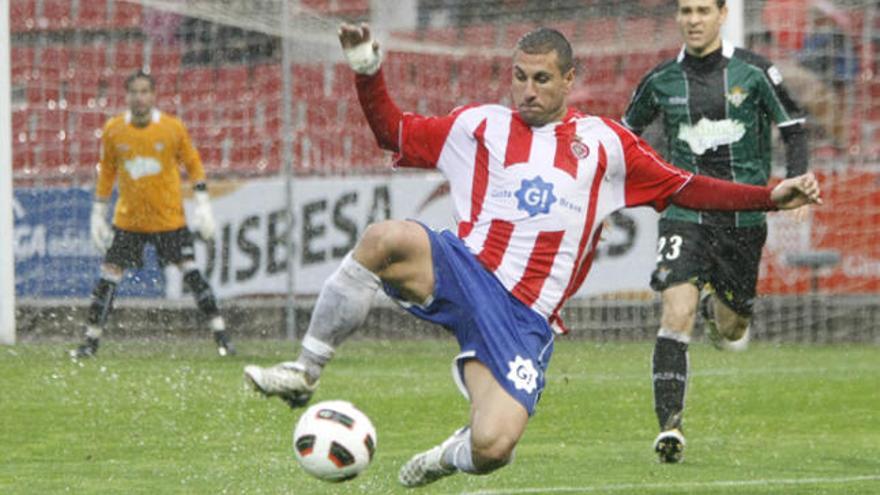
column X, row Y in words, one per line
column 146, row 161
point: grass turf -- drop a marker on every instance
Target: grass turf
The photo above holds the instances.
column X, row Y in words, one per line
column 171, row 417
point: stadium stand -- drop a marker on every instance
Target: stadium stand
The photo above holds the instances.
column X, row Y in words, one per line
column 84, row 73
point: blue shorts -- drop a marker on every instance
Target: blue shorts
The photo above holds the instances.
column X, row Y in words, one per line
column 491, row 325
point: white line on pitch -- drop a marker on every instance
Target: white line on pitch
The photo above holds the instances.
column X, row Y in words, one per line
column 673, row 486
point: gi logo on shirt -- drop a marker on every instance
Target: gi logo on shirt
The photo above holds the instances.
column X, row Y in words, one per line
column 535, row 196
column 523, row 374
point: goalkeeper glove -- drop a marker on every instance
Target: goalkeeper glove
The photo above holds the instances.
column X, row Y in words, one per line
column 364, row 58
column 102, row 234
column 203, row 219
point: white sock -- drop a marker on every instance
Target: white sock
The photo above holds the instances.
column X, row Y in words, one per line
column 93, row 332
column 341, row 308
column 682, row 337
column 459, row 453
column 217, row 324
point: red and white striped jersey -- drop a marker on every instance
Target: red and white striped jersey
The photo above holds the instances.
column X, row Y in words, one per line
column 530, row 201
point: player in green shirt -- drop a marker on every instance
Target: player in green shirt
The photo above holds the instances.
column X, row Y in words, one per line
column 717, row 104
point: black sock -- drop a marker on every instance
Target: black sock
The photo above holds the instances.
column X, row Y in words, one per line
column 102, row 302
column 670, row 381
column 202, row 293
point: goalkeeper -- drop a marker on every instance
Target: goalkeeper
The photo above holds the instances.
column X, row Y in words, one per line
column 717, row 105
column 144, row 148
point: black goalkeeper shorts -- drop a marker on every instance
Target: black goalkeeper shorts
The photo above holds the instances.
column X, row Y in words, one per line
column 728, row 258
column 127, row 250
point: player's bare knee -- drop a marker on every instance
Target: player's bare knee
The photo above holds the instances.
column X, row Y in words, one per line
column 379, row 243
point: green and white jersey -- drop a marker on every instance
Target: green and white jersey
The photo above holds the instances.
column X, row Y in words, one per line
column 717, row 113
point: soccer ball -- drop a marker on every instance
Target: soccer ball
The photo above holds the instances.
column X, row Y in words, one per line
column 334, row 441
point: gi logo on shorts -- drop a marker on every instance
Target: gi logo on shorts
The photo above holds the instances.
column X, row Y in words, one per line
column 523, row 374
column 535, row 196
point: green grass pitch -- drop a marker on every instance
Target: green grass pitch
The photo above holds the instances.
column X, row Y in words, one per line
column 170, row 417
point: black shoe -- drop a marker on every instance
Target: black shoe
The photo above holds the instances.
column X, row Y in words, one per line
column 86, row 350
column 224, row 346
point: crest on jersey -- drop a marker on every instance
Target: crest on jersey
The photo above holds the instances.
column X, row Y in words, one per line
column 535, row 196
column 159, row 146
column 737, row 96
column 523, row 374
column 580, row 150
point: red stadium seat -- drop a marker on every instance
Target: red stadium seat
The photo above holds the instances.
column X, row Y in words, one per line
column 21, row 151
column 233, row 84
column 322, row 6
column 514, row 32
column 600, row 69
column 351, row 8
column 267, row 79
column 636, row 65
column 308, row 80
column 22, row 63
column 640, row 31
column 92, row 15
column 442, row 36
column 128, row 56
column 164, row 59
column 322, row 113
column 343, row 81
column 197, row 85
column 126, row 15
column 85, row 138
column 599, row 32
column 84, row 82
column 478, row 35
column 56, row 15
column 57, row 57
column 89, row 58
column 22, row 15
column 49, row 140
column 166, row 84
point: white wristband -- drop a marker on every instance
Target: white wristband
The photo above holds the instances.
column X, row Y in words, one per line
column 363, row 59
column 202, row 197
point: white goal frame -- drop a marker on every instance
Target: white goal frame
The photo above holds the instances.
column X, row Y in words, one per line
column 7, row 237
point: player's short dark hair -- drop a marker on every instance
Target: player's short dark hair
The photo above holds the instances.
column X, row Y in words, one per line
column 719, row 3
column 545, row 40
column 140, row 74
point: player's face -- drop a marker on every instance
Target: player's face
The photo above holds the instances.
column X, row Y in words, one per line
column 539, row 90
column 140, row 98
column 700, row 24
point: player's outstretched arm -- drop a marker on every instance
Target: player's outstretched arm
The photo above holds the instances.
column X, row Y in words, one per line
column 707, row 193
column 363, row 56
column 796, row 192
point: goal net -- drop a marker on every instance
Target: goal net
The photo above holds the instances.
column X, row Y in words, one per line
column 220, row 66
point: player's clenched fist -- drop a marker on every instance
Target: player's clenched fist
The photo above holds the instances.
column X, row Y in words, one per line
column 796, row 192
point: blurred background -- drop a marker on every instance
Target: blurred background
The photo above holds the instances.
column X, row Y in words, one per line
column 295, row 175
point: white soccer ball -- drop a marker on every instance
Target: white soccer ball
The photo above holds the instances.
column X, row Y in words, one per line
column 334, row 441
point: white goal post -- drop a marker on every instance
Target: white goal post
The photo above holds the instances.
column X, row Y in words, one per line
column 7, row 255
